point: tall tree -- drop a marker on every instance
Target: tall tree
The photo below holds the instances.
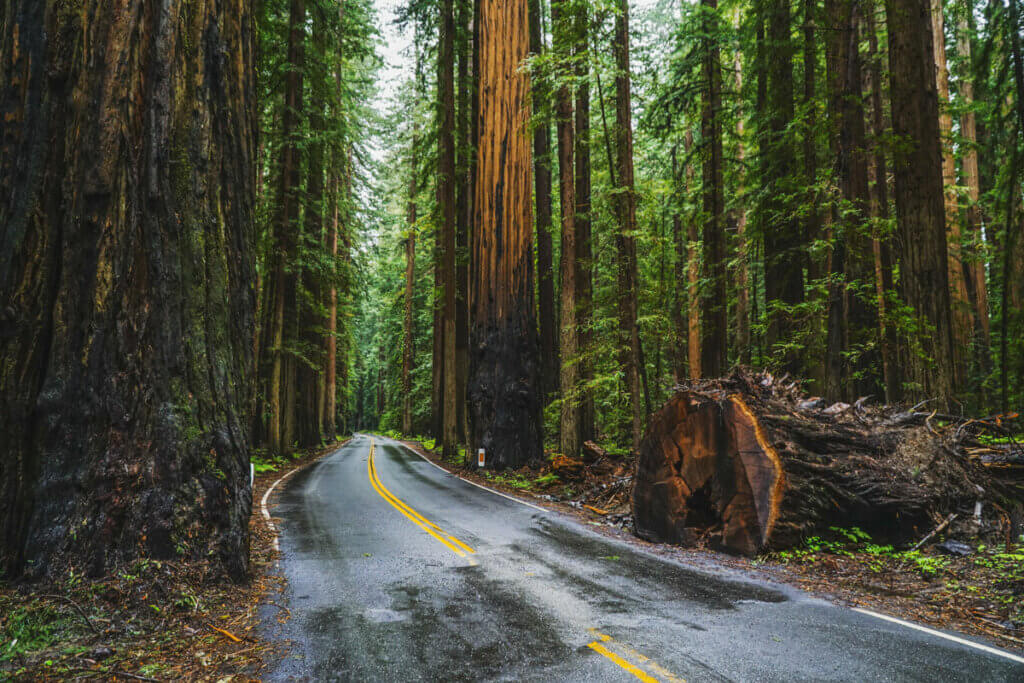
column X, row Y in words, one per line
column 882, row 250
column 503, row 390
column 784, row 283
column 625, row 238
column 584, row 248
column 280, row 392
column 447, row 217
column 113, row 424
column 408, row 352
column 740, row 222
column 976, row 277
column 850, row 251
column 549, row 352
column 714, row 313
column 959, row 299
column 920, row 214
column 569, row 419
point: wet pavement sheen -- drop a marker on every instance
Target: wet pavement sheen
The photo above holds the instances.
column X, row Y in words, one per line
column 374, row 596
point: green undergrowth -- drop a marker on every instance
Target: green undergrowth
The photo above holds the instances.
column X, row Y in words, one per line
column 991, row 578
column 264, row 462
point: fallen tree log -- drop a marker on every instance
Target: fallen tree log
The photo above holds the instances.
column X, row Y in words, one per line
column 752, row 464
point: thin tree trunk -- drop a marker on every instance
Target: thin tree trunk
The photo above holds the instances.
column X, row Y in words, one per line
column 714, row 309
column 446, row 203
column 119, row 441
column 408, row 352
column 625, row 239
column 920, row 215
column 549, row 335
column 740, row 217
column 972, row 180
column 464, row 199
column 847, row 315
column 681, row 288
column 694, row 342
column 959, row 299
column 784, row 283
column 569, row 418
column 584, row 250
column 504, row 392
column 812, row 228
column 882, row 242
column 280, row 407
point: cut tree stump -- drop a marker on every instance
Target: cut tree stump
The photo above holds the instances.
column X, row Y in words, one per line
column 752, row 464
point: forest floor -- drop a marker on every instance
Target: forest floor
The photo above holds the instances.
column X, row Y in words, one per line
column 980, row 593
column 153, row 621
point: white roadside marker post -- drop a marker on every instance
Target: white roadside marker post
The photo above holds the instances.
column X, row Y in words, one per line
column 480, row 459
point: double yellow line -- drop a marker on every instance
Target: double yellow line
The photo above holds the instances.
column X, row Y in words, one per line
column 599, row 647
column 450, row 542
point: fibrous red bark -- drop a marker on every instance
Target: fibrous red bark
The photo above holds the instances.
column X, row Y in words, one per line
column 128, row 153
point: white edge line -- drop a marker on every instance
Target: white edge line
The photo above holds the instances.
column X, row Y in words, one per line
column 884, row 617
column 940, row 634
column 479, row 486
column 266, row 497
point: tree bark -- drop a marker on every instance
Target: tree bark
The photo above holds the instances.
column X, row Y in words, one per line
column 976, row 277
column 549, row 335
column 882, row 242
column 569, row 418
column 584, row 248
column 694, row 342
column 920, row 215
column 408, row 352
column 127, row 278
column 504, row 392
column 851, row 252
column 681, row 280
column 446, row 203
column 784, row 283
column 625, row 239
column 740, row 219
column 959, row 300
column 714, row 308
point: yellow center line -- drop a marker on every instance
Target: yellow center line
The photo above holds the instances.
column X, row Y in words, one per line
column 627, row 665
column 452, row 543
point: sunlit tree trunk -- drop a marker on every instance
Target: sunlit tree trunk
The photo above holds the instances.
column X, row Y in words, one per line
column 127, row 279
column 408, row 352
column 971, row 179
column 503, row 392
column 959, row 299
column 693, row 345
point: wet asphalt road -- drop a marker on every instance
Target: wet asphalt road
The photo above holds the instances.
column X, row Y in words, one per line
column 383, row 587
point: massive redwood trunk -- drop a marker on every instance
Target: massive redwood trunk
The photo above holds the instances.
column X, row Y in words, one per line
column 126, row 283
column 503, row 391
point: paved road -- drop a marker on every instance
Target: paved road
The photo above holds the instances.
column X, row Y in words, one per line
column 399, row 571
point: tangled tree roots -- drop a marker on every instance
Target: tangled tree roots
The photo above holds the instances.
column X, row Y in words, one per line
column 753, row 464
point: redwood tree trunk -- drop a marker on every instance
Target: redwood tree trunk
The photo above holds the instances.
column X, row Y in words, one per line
column 625, row 239
column 920, row 215
column 549, row 352
column 569, row 418
column 126, row 276
column 714, row 309
column 584, row 250
column 503, row 392
column 446, row 203
column 408, row 355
